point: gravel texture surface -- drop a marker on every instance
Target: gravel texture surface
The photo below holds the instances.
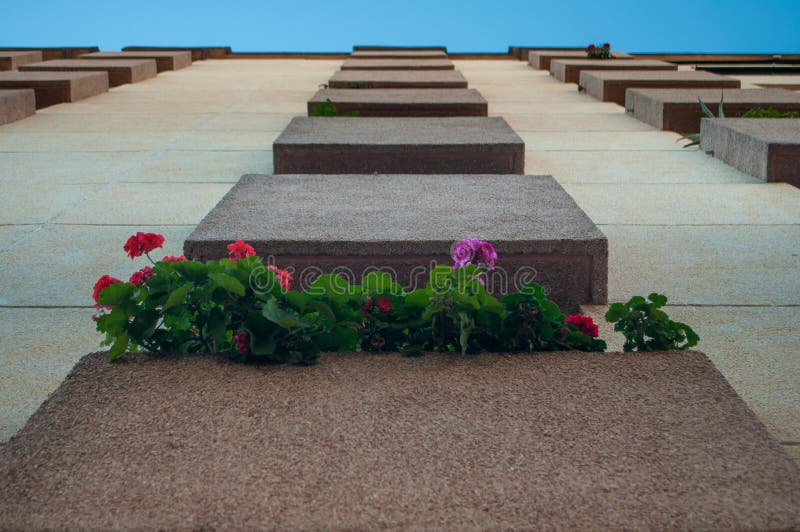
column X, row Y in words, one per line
column 566, row 440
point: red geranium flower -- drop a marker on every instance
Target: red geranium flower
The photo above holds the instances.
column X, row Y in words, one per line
column 241, row 341
column 591, row 47
column 584, row 324
column 142, row 243
column 367, row 306
column 102, row 283
column 284, row 278
column 385, row 305
column 606, row 45
column 240, row 250
column 138, row 278
column 173, row 258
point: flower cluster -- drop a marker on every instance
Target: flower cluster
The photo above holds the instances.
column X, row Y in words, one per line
column 241, row 341
column 138, row 278
column 284, row 277
column 240, row 250
column 474, row 251
column 382, row 305
column 599, row 52
column 142, row 243
column 584, row 324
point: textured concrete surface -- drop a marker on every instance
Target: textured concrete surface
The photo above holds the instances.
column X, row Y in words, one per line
column 647, row 441
column 789, row 82
column 36, row 362
column 541, row 59
column 530, row 220
column 174, row 60
column 679, row 109
column 383, row 48
column 56, row 87
column 720, row 265
column 569, row 70
column 735, row 283
column 767, row 380
column 610, row 86
column 16, row 105
column 389, row 79
column 10, row 60
column 404, row 102
column 49, row 52
column 120, row 71
column 449, row 145
column 198, row 52
column 768, row 148
column 397, row 64
column 399, row 54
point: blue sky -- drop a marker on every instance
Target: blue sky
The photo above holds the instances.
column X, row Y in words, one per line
column 463, row 26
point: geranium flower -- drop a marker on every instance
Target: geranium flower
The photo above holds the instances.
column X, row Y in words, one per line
column 284, row 278
column 241, row 341
column 385, row 305
column 240, row 250
column 584, row 324
column 103, row 282
column 474, row 251
column 143, row 243
column 138, row 278
column 173, row 258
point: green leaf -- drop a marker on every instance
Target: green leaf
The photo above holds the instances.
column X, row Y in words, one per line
column 419, row 298
column 324, row 311
column 119, row 347
column 705, row 109
column 380, row 283
column 691, row 336
column 338, row 339
column 615, row 312
column 658, row 299
column 281, row 317
column 192, row 270
column 178, row 296
column 116, row 294
column 441, row 278
column 229, row 283
column 144, row 324
column 217, row 324
column 297, row 300
column 331, row 286
column 114, row 322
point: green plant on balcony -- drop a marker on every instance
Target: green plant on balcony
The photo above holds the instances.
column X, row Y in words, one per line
column 327, row 108
column 694, row 138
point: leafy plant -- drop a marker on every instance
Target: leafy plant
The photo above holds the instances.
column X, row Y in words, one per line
column 769, row 112
column 647, row 328
column 694, row 138
column 245, row 310
column 599, row 52
column 327, row 108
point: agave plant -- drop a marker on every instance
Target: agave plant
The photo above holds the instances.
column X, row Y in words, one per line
column 694, row 138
